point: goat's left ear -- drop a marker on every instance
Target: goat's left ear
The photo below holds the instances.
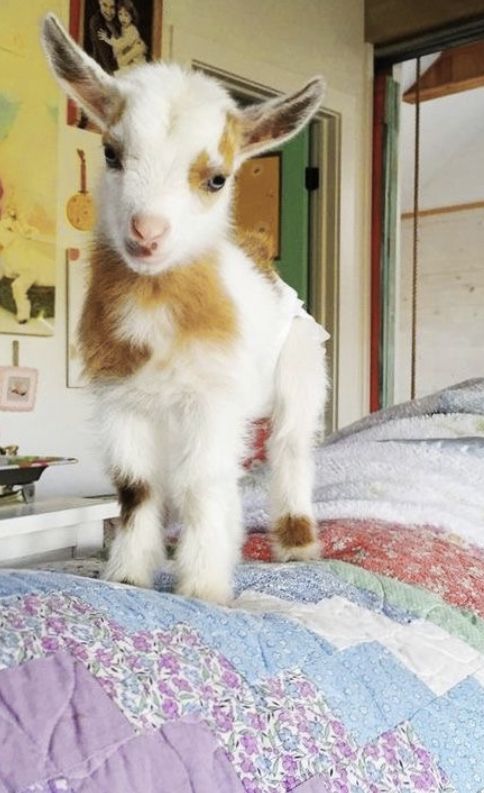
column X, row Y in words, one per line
column 82, row 78
column 272, row 123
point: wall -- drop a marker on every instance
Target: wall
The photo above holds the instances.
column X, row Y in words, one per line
column 450, row 325
column 451, row 152
column 280, row 44
column 450, row 309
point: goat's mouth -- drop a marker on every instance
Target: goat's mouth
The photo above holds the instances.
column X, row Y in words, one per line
column 139, row 251
column 143, row 259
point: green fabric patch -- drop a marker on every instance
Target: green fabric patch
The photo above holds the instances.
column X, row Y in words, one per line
column 467, row 626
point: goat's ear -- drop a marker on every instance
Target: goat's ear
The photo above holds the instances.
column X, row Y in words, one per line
column 272, row 123
column 79, row 75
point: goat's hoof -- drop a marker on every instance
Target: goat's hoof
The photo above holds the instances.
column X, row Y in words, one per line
column 122, row 577
column 296, row 553
column 208, row 592
column 295, row 539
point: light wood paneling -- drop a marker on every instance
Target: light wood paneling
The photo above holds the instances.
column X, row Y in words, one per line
column 450, row 306
column 457, row 69
column 445, row 210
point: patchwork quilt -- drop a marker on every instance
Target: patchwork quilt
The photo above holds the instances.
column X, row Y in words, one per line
column 361, row 673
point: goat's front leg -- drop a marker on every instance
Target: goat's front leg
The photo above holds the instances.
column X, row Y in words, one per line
column 206, row 483
column 137, row 551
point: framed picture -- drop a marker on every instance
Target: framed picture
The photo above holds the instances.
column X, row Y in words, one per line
column 77, row 278
column 18, row 386
column 29, row 101
column 118, row 34
column 27, row 276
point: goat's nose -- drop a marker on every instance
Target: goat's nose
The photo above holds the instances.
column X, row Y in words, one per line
column 149, row 229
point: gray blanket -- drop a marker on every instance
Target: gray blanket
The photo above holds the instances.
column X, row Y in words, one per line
column 421, row 462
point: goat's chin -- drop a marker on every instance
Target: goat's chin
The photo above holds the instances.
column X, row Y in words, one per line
column 157, row 264
column 146, row 266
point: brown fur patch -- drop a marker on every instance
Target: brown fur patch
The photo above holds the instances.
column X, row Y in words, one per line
column 104, row 355
column 202, row 168
column 294, row 531
column 199, row 171
column 196, row 297
column 230, row 141
column 260, row 248
column 131, row 495
column 194, row 294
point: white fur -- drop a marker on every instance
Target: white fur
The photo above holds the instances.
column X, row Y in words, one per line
column 180, row 423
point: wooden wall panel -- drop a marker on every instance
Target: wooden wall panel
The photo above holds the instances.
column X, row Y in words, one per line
column 456, row 69
column 393, row 20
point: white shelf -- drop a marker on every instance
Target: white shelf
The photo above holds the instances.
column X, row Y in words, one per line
column 55, row 524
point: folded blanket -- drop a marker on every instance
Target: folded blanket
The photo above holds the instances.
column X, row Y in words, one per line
column 421, row 462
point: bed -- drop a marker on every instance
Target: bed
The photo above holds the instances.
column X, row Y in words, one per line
column 360, row 673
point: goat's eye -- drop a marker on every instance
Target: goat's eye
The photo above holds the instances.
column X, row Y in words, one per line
column 216, row 182
column 111, row 156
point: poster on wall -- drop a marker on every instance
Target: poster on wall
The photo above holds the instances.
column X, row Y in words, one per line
column 77, row 278
column 118, row 34
column 82, row 157
column 28, row 169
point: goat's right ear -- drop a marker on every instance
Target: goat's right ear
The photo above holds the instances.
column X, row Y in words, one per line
column 82, row 78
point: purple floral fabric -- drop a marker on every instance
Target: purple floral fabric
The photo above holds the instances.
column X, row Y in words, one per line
column 276, row 735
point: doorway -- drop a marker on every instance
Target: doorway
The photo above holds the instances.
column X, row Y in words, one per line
column 428, row 232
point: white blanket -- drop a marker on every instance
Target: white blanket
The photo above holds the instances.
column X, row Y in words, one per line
column 418, row 463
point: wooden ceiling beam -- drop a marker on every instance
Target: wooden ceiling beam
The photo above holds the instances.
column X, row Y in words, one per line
column 457, row 69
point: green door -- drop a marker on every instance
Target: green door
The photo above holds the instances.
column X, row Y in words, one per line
column 293, row 264
column 271, row 198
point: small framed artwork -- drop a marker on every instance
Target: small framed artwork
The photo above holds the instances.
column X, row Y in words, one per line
column 118, row 34
column 18, row 387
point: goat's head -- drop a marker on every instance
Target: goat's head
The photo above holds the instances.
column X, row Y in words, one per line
column 173, row 140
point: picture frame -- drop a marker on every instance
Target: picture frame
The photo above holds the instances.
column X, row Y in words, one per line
column 117, row 34
column 28, row 275
column 18, row 388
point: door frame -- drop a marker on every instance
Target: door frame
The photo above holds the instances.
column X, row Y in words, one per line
column 324, row 220
column 386, row 56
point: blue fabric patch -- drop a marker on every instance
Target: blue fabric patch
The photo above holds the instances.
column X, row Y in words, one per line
column 452, row 728
column 369, row 690
column 306, row 583
column 310, row 583
column 259, row 645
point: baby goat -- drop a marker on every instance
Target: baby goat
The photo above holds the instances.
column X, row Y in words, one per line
column 186, row 340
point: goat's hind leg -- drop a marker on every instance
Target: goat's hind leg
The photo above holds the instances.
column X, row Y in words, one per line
column 137, row 551
column 300, row 393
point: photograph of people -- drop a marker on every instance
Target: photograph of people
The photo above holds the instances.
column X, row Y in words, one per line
column 128, row 47
column 104, row 23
